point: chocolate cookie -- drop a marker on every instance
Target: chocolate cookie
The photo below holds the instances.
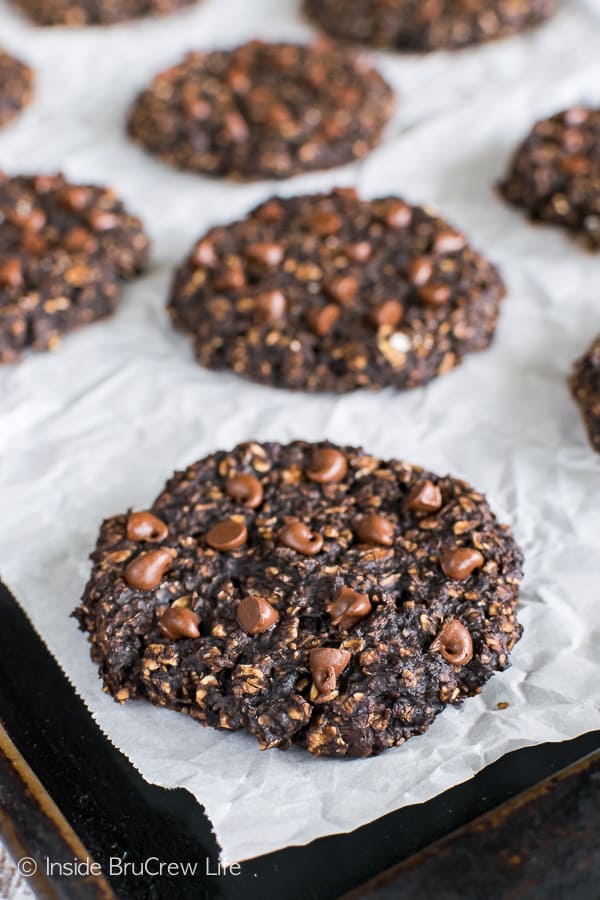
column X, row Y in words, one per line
column 64, row 251
column 16, row 87
column 95, row 12
column 420, row 26
column 310, row 594
column 585, row 387
column 555, row 173
column 333, row 293
column 263, row 110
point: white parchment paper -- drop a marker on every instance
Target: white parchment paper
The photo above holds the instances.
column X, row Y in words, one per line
column 101, row 423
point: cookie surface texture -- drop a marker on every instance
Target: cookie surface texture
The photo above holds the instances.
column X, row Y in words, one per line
column 263, row 111
column 65, row 251
column 310, row 594
column 333, row 293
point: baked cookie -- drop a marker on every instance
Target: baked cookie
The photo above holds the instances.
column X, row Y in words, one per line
column 419, row 26
column 263, row 110
column 65, row 249
column 95, row 12
column 310, row 594
column 585, row 387
column 555, row 173
column 16, row 87
column 333, row 293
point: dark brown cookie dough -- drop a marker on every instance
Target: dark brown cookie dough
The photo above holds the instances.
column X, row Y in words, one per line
column 95, row 12
column 585, row 387
column 263, row 110
column 555, row 173
column 333, row 293
column 310, row 594
column 16, row 87
column 64, row 252
column 415, row 25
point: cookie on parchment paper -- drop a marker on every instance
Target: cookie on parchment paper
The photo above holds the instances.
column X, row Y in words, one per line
column 75, row 13
column 554, row 174
column 65, row 250
column 332, row 293
column 311, row 594
column 263, row 110
column 425, row 25
column 585, row 387
column 16, row 87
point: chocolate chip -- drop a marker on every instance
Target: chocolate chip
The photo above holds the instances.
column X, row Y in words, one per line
column 11, row 273
column 398, row 215
column 434, row 294
column 449, row 242
column 227, row 535
column 454, row 643
column 348, row 608
column 267, row 254
column 145, row 526
column 375, row 529
column 420, row 270
column 146, row 571
column 256, row 615
column 204, row 254
column 359, row 252
column 298, row 536
column 179, row 622
column 270, row 306
column 425, row 497
column 326, row 663
column 327, row 465
column 342, row 288
column 232, row 279
column 246, row 489
column 235, row 126
column 80, row 239
column 322, row 320
column 102, row 220
column 325, row 223
column 459, row 562
column 76, row 197
column 390, row 313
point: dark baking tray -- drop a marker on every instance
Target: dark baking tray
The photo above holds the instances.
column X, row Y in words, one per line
column 114, row 813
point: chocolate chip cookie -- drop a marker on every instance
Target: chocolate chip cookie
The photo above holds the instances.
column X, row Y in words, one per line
column 332, row 293
column 418, row 26
column 585, row 387
column 16, row 87
column 555, row 173
column 308, row 593
column 263, row 110
column 95, row 12
column 65, row 250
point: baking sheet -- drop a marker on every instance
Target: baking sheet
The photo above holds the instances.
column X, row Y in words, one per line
column 101, row 423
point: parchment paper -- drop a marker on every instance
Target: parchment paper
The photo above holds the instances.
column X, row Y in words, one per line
column 100, row 424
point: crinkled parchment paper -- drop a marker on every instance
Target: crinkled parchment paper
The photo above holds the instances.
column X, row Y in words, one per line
column 100, row 424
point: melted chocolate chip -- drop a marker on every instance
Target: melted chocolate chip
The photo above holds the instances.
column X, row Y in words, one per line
column 227, row 535
column 348, row 608
column 425, row 497
column 298, row 536
column 454, row 643
column 246, row 489
column 326, row 663
column 178, row 622
column 145, row 526
column 375, row 529
column 327, row 465
column 459, row 562
column 146, row 571
column 255, row 615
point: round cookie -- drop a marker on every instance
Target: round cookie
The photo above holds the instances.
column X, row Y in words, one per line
column 333, row 293
column 585, row 387
column 16, row 87
column 414, row 25
column 555, row 173
column 95, row 12
column 311, row 594
column 65, row 250
column 263, row 110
